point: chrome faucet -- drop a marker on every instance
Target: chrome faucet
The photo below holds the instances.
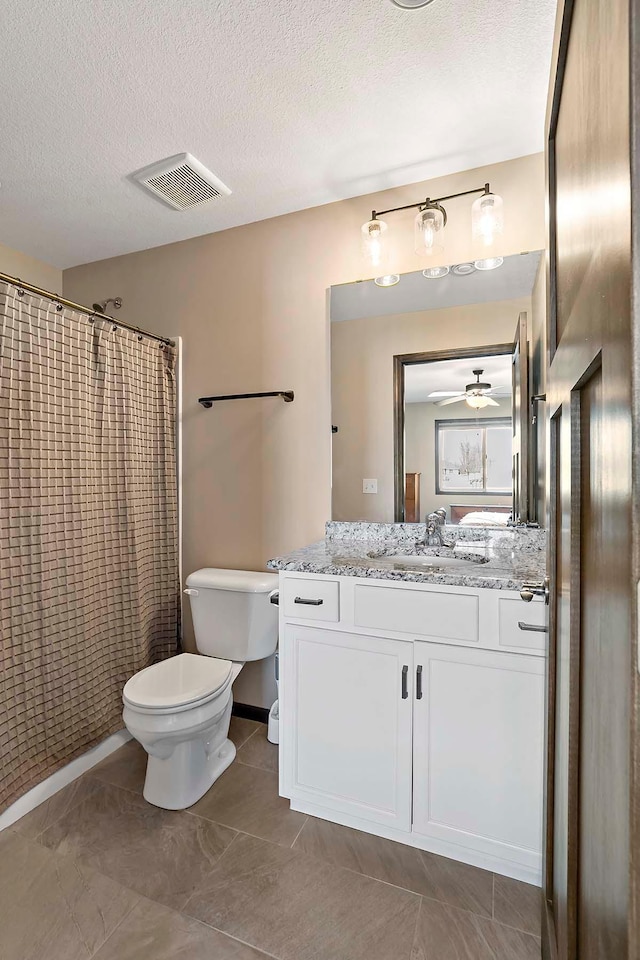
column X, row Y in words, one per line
column 434, row 535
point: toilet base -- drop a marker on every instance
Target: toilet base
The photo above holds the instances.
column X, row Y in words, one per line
column 182, row 779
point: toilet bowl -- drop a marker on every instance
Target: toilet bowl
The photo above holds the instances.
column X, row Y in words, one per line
column 179, row 710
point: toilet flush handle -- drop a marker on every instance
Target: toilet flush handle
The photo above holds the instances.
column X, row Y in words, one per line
column 191, row 592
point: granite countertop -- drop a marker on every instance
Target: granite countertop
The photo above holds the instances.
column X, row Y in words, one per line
column 508, row 558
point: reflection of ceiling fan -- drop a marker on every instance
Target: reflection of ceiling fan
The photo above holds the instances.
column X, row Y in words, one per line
column 476, row 394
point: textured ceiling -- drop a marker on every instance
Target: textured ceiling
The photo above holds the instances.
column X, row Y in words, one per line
column 290, row 103
column 421, row 379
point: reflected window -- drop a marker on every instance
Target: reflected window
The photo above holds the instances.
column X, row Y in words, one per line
column 473, row 456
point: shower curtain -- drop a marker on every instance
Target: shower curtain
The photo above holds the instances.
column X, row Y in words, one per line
column 89, row 586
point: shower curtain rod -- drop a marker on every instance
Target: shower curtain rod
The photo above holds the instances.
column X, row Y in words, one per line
column 78, row 306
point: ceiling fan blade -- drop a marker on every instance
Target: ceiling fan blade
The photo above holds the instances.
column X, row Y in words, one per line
column 503, row 387
column 444, row 393
column 443, row 403
column 491, row 402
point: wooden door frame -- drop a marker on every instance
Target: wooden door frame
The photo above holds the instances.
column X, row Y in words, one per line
column 402, row 360
column 558, row 64
column 634, row 772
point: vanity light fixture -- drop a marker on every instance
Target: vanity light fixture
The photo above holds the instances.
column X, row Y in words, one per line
column 388, row 280
column 372, row 232
column 434, row 273
column 411, row 4
column 490, row 263
column 463, row 269
column 430, row 221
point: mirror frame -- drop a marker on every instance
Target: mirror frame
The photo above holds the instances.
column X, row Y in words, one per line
column 402, row 360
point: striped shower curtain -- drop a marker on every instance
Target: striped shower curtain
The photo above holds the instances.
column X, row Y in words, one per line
column 89, row 588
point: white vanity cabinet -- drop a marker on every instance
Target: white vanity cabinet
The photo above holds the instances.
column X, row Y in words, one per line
column 430, row 733
column 349, row 744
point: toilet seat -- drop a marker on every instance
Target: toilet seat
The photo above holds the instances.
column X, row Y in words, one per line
column 185, row 681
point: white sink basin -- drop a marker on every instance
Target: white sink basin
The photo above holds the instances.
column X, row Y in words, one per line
column 415, row 560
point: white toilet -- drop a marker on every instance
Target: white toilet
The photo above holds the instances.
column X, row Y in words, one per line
column 179, row 709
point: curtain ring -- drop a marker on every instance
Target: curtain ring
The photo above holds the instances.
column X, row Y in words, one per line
column 114, row 327
column 139, row 337
column 21, row 293
column 58, row 307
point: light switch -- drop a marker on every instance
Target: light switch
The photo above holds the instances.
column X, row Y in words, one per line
column 369, row 486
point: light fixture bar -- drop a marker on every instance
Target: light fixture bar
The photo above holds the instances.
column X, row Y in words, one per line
column 423, row 203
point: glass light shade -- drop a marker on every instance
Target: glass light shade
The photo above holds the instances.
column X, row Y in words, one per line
column 388, row 280
column 372, row 241
column 463, row 269
column 429, row 225
column 434, row 273
column 477, row 402
column 487, row 220
column 411, row 4
column 490, row 263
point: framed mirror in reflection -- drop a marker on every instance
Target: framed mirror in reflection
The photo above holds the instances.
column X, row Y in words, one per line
column 431, row 387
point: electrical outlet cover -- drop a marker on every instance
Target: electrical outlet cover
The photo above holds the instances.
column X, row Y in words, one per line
column 369, row 486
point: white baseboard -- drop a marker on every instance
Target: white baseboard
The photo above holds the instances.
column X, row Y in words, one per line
column 62, row 778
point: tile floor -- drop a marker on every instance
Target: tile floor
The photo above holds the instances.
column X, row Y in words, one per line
column 95, row 872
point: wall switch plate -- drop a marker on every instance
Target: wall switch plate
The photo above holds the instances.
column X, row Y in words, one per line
column 369, row 486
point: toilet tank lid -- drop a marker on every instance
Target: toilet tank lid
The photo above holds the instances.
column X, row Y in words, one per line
column 242, row 581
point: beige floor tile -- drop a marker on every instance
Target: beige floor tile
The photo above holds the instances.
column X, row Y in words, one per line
column 52, row 906
column 154, row 932
column 162, row 854
column 297, row 907
column 125, row 768
column 446, row 933
column 246, row 798
column 240, row 729
column 257, row 751
column 518, row 904
column 38, row 820
column 404, row 866
column 458, row 884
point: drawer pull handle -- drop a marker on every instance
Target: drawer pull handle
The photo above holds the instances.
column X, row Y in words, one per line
column 405, row 689
column 531, row 627
column 309, row 603
column 419, row 682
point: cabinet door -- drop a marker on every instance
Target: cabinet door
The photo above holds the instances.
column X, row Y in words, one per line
column 346, row 716
column 478, row 752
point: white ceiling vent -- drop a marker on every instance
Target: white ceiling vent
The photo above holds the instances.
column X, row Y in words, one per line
column 181, row 181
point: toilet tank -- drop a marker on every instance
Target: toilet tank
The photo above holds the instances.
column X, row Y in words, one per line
column 233, row 617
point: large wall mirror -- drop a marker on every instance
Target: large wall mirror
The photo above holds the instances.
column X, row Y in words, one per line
column 431, row 400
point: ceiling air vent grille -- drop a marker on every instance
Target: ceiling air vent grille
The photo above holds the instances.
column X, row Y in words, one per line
column 182, row 182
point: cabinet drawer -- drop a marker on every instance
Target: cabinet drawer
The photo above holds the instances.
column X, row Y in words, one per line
column 423, row 613
column 512, row 611
column 307, row 599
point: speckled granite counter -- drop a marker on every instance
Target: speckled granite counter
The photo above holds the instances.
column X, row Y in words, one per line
column 507, row 558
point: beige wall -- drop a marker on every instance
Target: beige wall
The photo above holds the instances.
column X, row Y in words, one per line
column 420, row 450
column 362, row 390
column 251, row 306
column 30, row 270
